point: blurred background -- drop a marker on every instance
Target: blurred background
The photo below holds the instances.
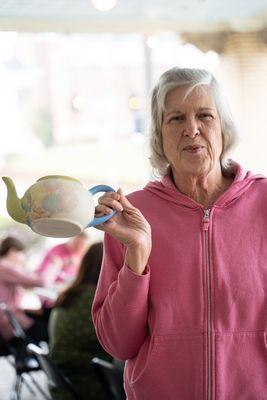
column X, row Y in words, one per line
column 75, row 78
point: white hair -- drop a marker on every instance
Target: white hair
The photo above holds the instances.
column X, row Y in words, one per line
column 192, row 78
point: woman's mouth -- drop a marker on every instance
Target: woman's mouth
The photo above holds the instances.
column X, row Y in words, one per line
column 193, row 148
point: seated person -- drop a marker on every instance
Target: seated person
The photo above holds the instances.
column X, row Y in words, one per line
column 73, row 342
column 61, row 263
column 60, row 266
column 13, row 278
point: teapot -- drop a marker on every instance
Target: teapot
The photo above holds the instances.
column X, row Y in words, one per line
column 56, row 206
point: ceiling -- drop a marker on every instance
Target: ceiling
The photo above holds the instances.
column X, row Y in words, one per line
column 133, row 15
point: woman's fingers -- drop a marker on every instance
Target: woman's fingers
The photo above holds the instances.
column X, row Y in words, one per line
column 123, row 200
column 110, row 201
column 117, row 201
column 102, row 210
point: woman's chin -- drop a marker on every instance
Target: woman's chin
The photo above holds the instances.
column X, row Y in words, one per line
column 195, row 168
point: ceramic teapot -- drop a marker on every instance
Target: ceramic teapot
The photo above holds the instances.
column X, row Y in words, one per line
column 56, row 206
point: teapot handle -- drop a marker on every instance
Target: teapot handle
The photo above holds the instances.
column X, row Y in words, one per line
column 103, row 218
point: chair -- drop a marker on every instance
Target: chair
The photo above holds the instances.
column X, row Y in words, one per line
column 22, row 362
column 111, row 378
column 4, row 348
column 55, row 377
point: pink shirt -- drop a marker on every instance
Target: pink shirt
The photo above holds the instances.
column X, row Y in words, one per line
column 12, row 280
column 194, row 326
column 59, row 265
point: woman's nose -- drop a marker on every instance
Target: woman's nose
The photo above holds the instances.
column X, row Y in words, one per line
column 191, row 129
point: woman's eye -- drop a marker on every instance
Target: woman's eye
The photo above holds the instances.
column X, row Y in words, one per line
column 177, row 118
column 205, row 116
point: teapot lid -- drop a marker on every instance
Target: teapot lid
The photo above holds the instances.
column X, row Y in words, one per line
column 58, row 177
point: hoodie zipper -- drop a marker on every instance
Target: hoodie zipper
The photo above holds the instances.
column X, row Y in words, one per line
column 206, row 222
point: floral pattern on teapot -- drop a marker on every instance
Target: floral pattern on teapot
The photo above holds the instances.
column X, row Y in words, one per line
column 48, row 198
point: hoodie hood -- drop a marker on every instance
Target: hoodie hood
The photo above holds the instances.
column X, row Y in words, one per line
column 242, row 182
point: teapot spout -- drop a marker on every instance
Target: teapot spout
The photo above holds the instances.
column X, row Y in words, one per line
column 13, row 203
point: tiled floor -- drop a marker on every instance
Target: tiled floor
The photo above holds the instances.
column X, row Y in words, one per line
column 7, row 377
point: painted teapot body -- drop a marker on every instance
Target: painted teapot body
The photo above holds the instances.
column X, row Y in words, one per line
column 55, row 206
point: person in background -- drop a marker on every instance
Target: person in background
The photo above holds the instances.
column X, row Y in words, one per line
column 60, row 266
column 182, row 292
column 13, row 279
column 73, row 342
column 61, row 263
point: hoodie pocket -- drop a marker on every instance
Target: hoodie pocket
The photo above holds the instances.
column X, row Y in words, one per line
column 168, row 368
column 241, row 371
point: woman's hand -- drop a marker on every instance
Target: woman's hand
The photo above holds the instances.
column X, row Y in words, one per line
column 129, row 226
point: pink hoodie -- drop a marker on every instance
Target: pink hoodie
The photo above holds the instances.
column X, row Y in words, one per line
column 193, row 327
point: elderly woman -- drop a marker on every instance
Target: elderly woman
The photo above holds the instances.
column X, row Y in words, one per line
column 182, row 293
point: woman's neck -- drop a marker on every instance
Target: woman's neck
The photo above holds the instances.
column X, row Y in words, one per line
column 204, row 189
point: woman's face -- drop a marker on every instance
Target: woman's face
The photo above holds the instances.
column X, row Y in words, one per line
column 191, row 131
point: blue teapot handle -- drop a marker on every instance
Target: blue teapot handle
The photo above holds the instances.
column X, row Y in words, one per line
column 104, row 218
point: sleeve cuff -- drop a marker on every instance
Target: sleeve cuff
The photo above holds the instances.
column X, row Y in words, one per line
column 133, row 287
